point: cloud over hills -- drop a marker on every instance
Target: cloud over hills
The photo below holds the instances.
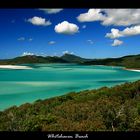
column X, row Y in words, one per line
column 67, row 52
column 27, row 53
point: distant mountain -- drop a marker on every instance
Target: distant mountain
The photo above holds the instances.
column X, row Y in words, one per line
column 66, row 58
column 130, row 61
column 33, row 59
column 74, row 59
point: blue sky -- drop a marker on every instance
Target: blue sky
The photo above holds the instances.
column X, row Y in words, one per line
column 83, row 32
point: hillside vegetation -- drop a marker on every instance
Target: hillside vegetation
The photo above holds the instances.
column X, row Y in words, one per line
column 33, row 59
column 74, row 59
column 131, row 61
column 30, row 59
column 105, row 109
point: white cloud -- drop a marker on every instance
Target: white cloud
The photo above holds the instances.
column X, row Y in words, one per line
column 39, row 21
column 21, row 39
column 115, row 33
column 91, row 15
column 84, row 26
column 90, row 41
column 117, row 42
column 51, row 11
column 27, row 53
column 67, row 52
column 51, row 42
column 122, row 17
column 129, row 31
column 30, row 39
column 71, row 52
column 66, row 28
column 118, row 17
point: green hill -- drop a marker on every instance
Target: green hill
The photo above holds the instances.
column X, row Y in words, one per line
column 66, row 58
column 74, row 59
column 105, row 109
column 33, row 59
column 131, row 61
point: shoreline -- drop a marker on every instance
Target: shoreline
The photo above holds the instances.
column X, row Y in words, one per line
column 132, row 69
column 27, row 67
column 14, row 67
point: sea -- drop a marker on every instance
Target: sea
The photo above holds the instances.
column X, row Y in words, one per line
column 44, row 81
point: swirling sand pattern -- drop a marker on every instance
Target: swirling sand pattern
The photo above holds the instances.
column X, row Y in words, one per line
column 50, row 80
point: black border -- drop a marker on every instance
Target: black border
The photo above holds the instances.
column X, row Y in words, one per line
column 69, row 3
column 91, row 135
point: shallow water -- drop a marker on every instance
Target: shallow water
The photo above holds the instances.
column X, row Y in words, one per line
column 50, row 80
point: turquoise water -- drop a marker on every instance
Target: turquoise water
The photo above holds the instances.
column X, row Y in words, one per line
column 49, row 80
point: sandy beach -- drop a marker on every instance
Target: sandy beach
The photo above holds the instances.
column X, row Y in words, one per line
column 137, row 70
column 14, row 67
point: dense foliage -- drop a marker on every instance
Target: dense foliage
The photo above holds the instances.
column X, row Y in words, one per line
column 131, row 61
column 33, row 59
column 105, row 109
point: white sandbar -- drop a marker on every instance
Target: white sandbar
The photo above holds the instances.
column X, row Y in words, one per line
column 14, row 67
column 132, row 70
